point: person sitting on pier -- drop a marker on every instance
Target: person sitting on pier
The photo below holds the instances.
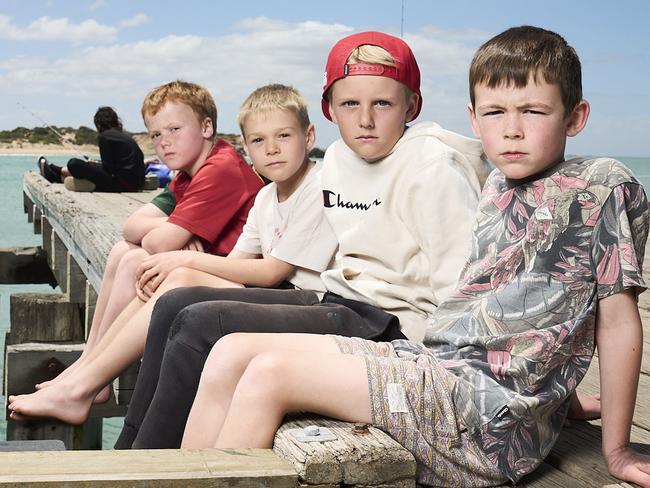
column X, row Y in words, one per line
column 121, row 165
column 286, row 241
column 555, row 270
column 204, row 210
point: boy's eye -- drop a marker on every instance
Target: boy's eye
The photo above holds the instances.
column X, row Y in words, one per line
column 492, row 113
column 533, row 112
column 154, row 135
column 383, row 103
column 284, row 135
column 256, row 140
column 349, row 103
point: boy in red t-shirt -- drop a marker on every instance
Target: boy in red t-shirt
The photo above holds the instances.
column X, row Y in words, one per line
column 214, row 190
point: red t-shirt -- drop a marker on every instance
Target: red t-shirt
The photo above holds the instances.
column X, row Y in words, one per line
column 215, row 202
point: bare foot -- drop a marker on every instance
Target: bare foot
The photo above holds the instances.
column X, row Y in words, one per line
column 62, row 374
column 103, row 395
column 584, row 407
column 62, row 401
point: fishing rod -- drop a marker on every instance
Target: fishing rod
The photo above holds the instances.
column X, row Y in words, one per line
column 63, row 140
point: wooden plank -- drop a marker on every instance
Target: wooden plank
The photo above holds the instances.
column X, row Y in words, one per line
column 60, row 261
column 86, row 436
column 212, row 468
column 577, row 452
column 371, row 459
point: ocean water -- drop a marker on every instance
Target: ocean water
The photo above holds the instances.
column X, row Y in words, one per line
column 17, row 232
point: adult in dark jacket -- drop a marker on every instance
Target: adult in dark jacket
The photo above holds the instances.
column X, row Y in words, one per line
column 121, row 167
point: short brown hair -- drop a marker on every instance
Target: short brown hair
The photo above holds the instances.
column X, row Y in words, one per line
column 194, row 96
column 512, row 57
column 274, row 97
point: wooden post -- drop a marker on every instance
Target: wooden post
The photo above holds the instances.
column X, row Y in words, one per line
column 44, row 317
column 60, row 262
column 37, row 220
column 28, row 207
column 46, row 232
column 90, row 303
column 75, row 281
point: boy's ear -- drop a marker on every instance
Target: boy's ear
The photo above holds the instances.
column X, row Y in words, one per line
column 310, row 134
column 207, row 128
column 472, row 120
column 413, row 107
column 332, row 114
column 578, row 118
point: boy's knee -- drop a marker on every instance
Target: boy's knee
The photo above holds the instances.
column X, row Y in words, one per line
column 179, row 277
column 199, row 325
column 263, row 376
column 119, row 249
column 132, row 258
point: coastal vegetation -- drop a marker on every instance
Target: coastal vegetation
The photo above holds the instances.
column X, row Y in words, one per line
column 85, row 136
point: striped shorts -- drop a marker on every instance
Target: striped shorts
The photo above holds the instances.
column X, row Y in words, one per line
column 410, row 397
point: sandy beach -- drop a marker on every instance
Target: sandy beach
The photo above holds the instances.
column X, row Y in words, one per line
column 28, row 148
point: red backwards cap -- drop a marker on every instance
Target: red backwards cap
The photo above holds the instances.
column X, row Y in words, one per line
column 406, row 69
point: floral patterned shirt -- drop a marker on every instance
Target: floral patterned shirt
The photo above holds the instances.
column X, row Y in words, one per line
column 518, row 333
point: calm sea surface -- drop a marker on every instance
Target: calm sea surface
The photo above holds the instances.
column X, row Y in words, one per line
column 17, row 232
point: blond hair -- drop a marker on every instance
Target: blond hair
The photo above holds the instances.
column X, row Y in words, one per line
column 194, row 96
column 371, row 54
column 512, row 57
column 274, row 97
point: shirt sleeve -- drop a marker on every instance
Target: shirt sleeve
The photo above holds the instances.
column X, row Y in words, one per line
column 308, row 240
column 440, row 213
column 165, row 201
column 619, row 238
column 249, row 239
column 210, row 201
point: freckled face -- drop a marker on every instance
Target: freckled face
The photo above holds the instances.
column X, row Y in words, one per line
column 180, row 140
column 371, row 113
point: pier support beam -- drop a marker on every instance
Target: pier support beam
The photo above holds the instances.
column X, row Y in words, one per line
column 25, row 265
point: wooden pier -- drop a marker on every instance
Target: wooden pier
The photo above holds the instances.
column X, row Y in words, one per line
column 46, row 334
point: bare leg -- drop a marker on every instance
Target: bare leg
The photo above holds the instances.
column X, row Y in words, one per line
column 113, row 262
column 251, row 380
column 69, row 399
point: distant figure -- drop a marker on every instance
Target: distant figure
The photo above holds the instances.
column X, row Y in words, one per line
column 121, row 167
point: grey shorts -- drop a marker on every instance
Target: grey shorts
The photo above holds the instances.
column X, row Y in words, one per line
column 410, row 396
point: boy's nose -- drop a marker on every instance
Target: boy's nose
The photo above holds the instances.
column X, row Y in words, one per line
column 272, row 148
column 366, row 120
column 512, row 129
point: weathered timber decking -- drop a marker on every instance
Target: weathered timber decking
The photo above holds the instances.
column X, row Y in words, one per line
column 88, row 224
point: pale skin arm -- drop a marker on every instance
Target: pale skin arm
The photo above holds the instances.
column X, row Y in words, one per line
column 166, row 237
column 238, row 267
column 141, row 222
column 619, row 336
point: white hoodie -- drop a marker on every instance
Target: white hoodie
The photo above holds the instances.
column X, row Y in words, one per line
column 404, row 222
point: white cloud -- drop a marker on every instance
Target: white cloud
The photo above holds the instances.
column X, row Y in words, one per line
column 97, row 4
column 61, row 29
column 230, row 66
column 136, row 20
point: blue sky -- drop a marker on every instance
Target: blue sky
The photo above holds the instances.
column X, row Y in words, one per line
column 62, row 59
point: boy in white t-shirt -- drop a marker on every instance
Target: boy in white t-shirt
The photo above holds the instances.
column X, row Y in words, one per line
column 277, row 136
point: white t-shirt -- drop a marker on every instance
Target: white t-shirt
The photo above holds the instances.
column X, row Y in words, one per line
column 404, row 222
column 294, row 231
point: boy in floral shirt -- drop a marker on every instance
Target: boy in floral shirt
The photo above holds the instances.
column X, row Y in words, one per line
column 555, row 267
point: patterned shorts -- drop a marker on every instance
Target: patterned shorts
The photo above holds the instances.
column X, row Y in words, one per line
column 411, row 400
